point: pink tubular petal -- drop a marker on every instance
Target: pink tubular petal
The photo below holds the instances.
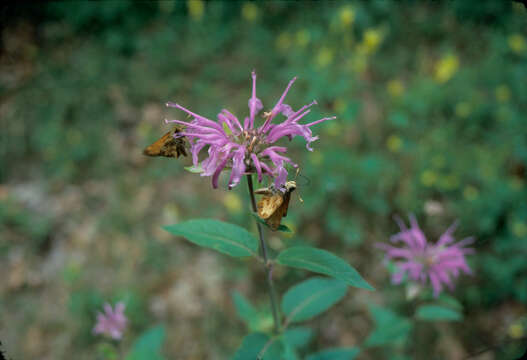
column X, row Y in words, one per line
column 436, row 284
column 279, row 103
column 238, row 167
column 220, row 167
column 255, row 104
column 321, row 120
column 197, row 127
column 258, row 167
column 446, row 237
column 286, row 110
column 277, row 107
column 196, row 116
column 294, row 116
column 233, row 118
column 417, row 234
column 266, row 168
column 273, row 149
column 281, row 177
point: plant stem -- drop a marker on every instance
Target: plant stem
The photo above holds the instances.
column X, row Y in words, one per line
column 268, row 265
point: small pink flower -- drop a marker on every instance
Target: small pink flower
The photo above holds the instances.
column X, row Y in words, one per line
column 111, row 323
column 422, row 261
column 249, row 148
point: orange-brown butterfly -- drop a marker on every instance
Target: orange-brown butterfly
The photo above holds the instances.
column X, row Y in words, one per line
column 274, row 204
column 167, row 145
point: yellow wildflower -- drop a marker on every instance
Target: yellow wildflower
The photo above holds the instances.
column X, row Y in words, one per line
column 394, row 143
column 516, row 331
column 519, row 229
column 517, row 43
column 324, row 57
column 371, row 40
column 196, row 8
column 428, row 178
column 250, row 11
column 395, row 87
column 346, row 16
column 303, row 37
column 446, row 68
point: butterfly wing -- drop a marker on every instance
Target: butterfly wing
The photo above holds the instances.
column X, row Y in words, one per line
column 276, row 218
column 167, row 145
column 156, row 148
column 285, row 205
column 268, row 205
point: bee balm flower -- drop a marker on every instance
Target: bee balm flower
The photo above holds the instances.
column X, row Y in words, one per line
column 247, row 148
column 422, row 261
column 112, row 322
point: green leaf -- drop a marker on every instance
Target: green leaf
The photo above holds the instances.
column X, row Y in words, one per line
column 312, row 297
column 258, row 346
column 148, row 346
column 226, row 238
column 437, row 313
column 290, row 353
column 335, row 354
column 323, row 262
column 194, row 169
column 255, row 319
column 244, row 308
column 451, row 302
column 282, row 227
column 390, row 328
column 297, row 337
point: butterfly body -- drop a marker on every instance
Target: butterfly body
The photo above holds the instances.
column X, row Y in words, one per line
column 274, row 203
column 168, row 145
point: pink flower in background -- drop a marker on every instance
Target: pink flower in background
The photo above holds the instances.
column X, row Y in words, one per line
column 112, row 322
column 247, row 148
column 423, row 261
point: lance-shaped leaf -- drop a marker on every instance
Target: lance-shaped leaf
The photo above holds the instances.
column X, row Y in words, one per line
column 255, row 319
column 244, row 308
column 335, row 354
column 437, row 313
column 259, row 346
column 297, row 337
column 148, row 346
column 390, row 328
column 312, row 297
column 323, row 262
column 218, row 235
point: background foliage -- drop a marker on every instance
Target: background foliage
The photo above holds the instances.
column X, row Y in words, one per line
column 430, row 99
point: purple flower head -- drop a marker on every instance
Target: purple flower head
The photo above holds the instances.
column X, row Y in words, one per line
column 112, row 322
column 247, row 148
column 422, row 261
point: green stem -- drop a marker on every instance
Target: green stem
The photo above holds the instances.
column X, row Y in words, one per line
column 268, row 265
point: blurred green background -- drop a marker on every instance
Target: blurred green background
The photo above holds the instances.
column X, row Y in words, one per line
column 431, row 101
